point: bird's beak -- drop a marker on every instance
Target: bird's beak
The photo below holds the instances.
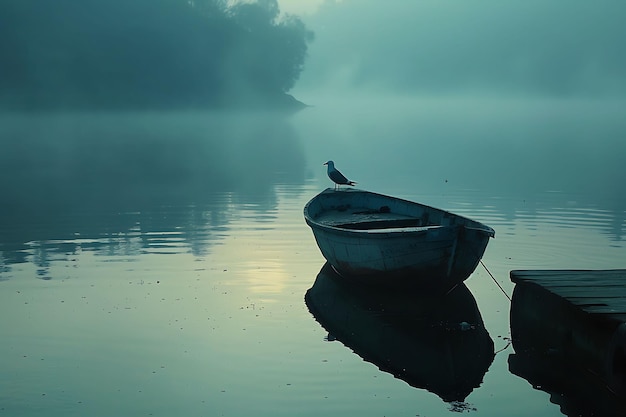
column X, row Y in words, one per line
column 325, row 163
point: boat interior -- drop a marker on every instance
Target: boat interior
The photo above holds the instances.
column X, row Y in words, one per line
column 371, row 219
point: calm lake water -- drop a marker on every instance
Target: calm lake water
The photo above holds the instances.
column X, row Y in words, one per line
column 157, row 264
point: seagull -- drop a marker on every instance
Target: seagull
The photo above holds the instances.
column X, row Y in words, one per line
column 336, row 176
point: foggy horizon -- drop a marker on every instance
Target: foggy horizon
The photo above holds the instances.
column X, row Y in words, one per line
column 201, row 56
column 483, row 48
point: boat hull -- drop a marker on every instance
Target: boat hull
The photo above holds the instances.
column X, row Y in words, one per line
column 439, row 252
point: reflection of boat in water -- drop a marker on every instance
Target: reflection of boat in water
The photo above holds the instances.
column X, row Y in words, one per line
column 436, row 343
column 378, row 238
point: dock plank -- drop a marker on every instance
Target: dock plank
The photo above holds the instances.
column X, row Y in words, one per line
column 572, row 272
column 589, row 292
column 593, row 291
column 581, row 281
column 614, row 276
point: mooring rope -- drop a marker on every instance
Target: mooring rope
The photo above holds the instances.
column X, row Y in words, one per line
column 503, row 349
column 494, row 279
column 505, row 294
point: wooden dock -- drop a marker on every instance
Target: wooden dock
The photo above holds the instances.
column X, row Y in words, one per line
column 574, row 319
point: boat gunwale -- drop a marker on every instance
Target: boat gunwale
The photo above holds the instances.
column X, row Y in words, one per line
column 398, row 231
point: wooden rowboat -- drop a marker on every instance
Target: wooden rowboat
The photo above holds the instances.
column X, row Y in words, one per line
column 381, row 239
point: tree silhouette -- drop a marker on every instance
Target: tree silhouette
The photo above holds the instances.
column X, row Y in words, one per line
column 275, row 50
column 146, row 53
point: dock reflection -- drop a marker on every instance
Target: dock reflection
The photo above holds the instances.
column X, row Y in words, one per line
column 577, row 392
column 436, row 343
column 569, row 338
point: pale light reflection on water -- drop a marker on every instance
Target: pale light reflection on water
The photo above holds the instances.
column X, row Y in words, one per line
column 186, row 296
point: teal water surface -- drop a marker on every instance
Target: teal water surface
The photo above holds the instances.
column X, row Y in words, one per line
column 156, row 264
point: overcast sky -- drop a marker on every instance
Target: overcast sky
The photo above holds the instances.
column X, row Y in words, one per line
column 492, row 47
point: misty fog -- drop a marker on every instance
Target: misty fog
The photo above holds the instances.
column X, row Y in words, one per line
column 121, row 106
column 506, row 97
column 111, row 162
column 427, row 48
column 414, row 93
column 416, row 86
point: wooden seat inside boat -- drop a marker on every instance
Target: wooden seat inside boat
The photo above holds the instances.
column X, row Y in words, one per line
column 369, row 219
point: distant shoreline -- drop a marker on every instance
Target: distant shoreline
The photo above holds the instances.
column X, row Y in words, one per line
column 273, row 102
